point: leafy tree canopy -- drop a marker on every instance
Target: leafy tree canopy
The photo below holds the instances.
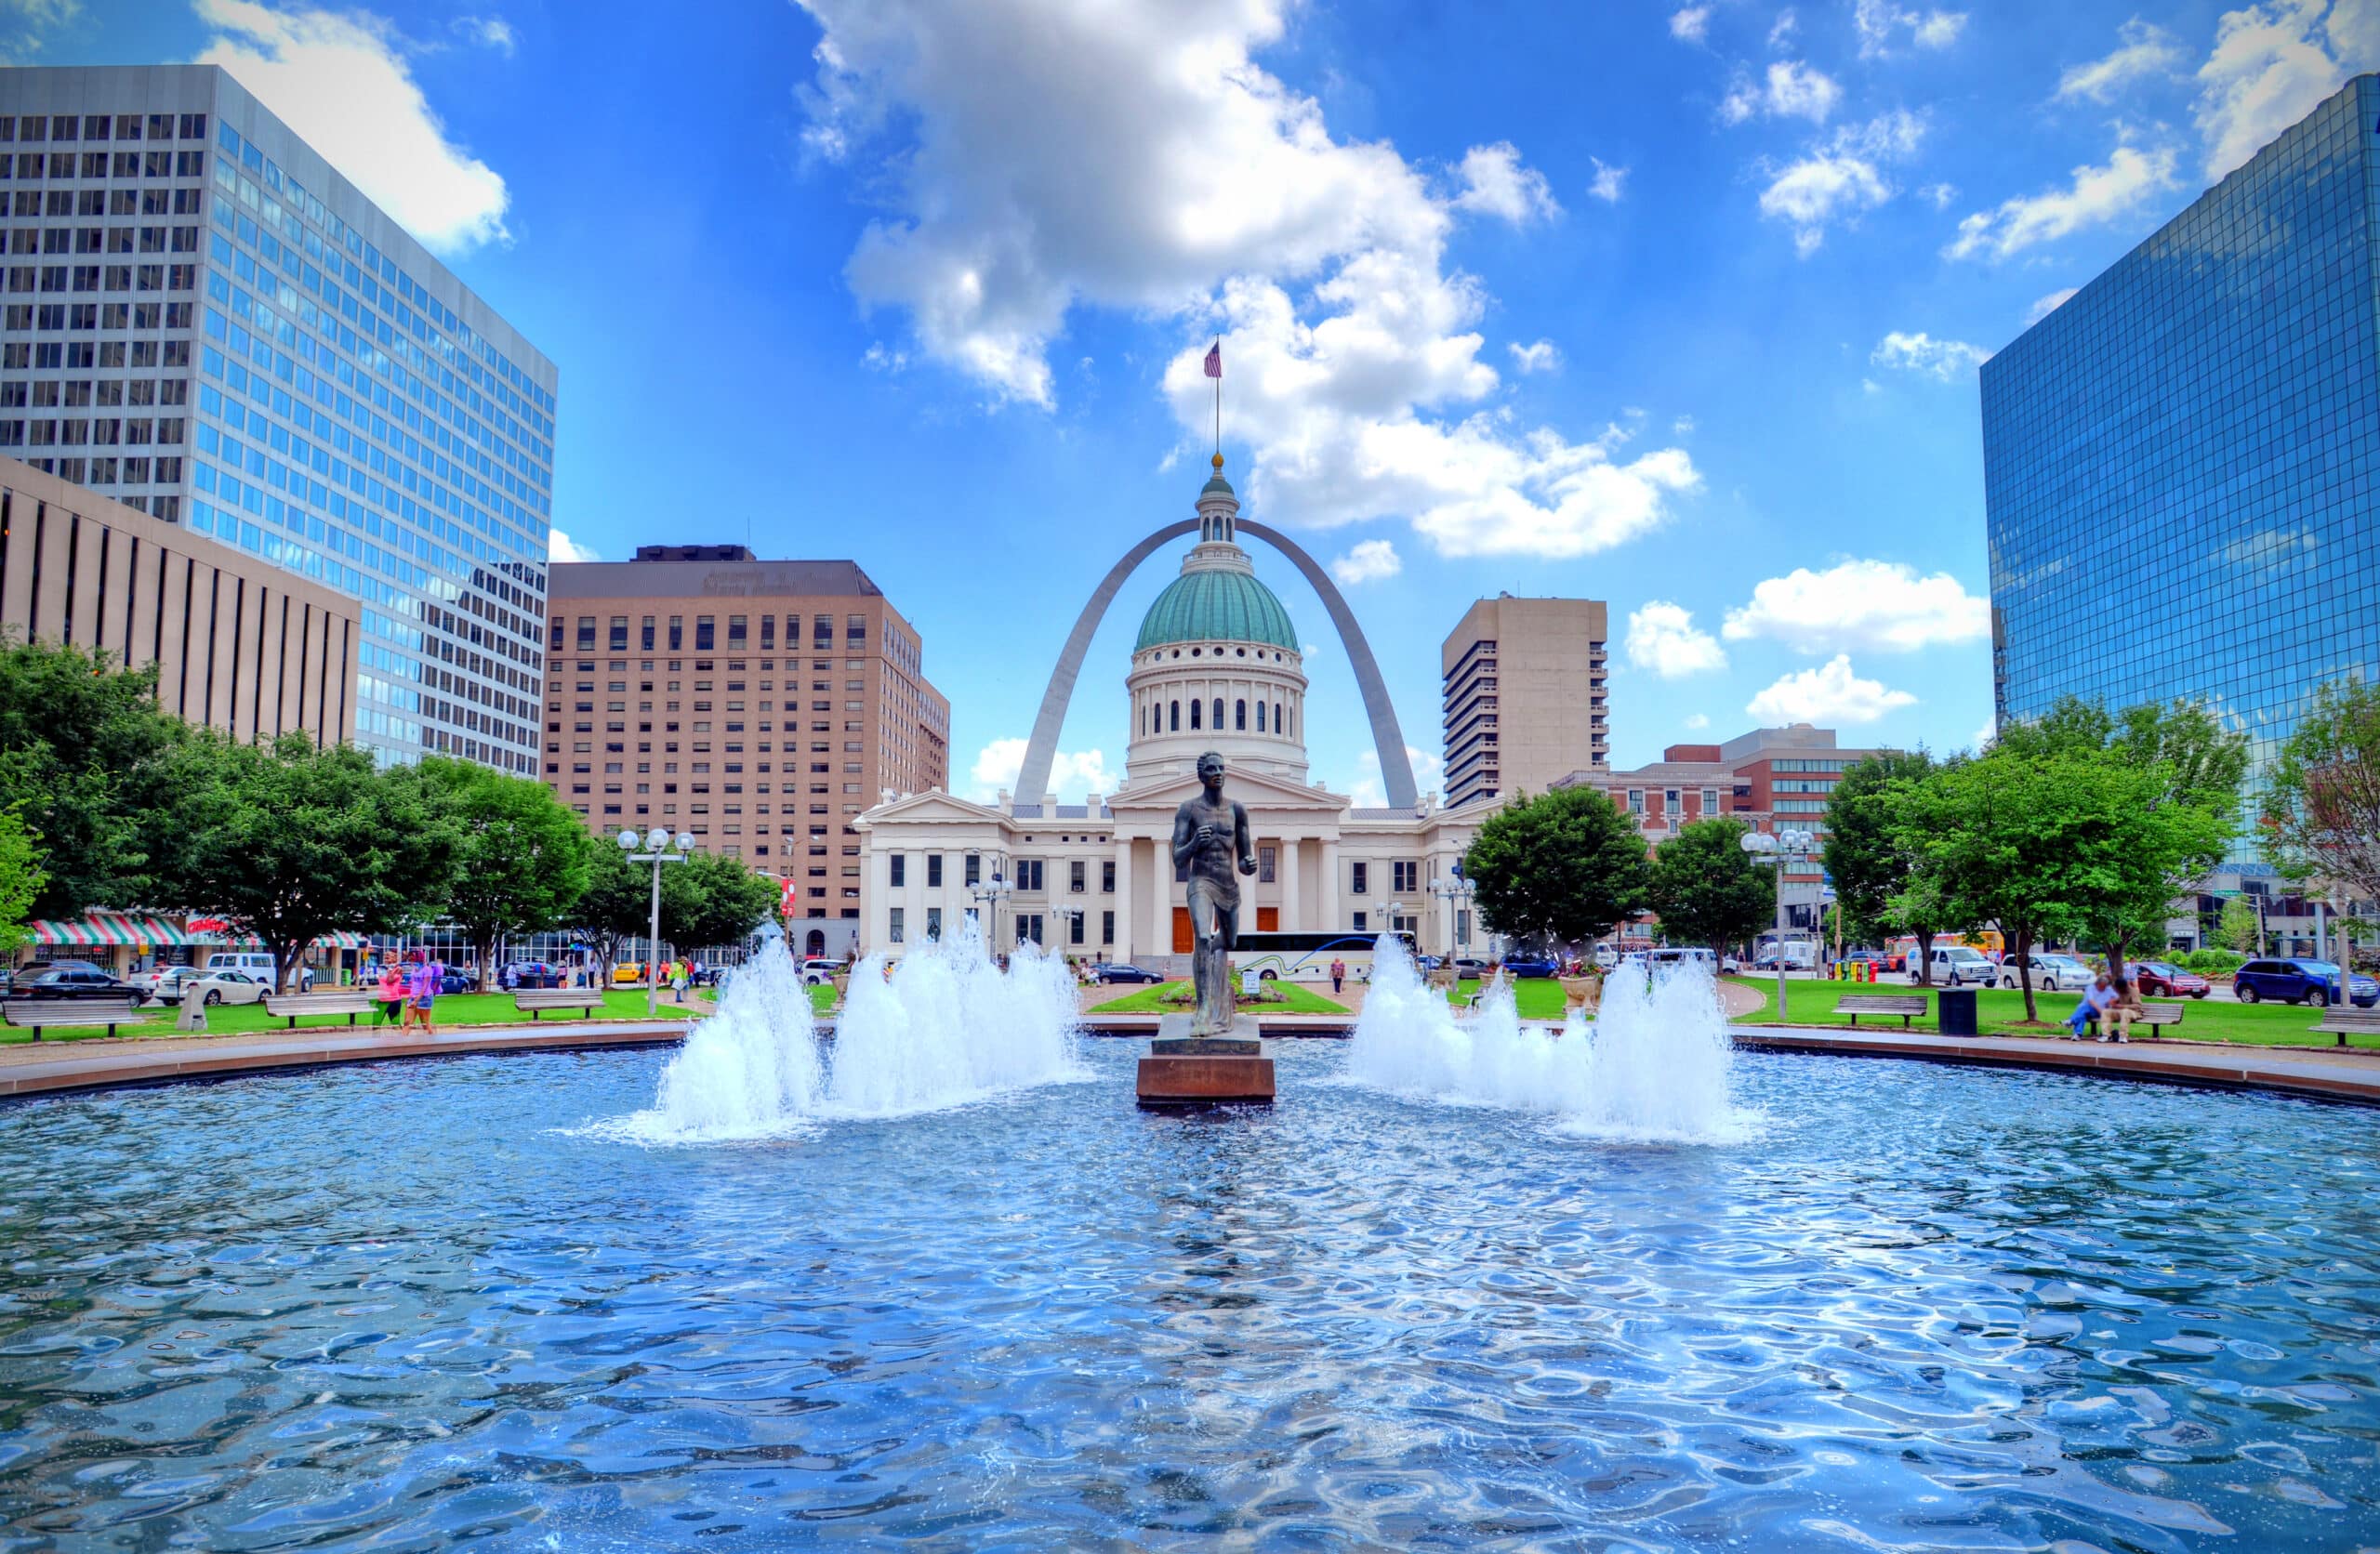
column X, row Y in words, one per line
column 79, row 746
column 2319, row 818
column 1707, row 888
column 21, row 880
column 1563, row 866
column 712, row 899
column 521, row 860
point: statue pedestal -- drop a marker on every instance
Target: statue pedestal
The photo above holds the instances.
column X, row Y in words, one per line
column 1183, row 1070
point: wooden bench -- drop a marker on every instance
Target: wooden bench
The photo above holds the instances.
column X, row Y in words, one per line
column 535, row 1001
column 289, row 1005
column 2344, row 1023
column 44, row 1014
column 2154, row 1015
column 1906, row 1005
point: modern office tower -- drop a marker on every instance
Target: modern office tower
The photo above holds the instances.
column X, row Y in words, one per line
column 239, row 643
column 2181, row 462
column 761, row 705
column 204, row 321
column 1523, row 689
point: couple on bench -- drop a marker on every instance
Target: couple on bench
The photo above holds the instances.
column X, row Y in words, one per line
column 2113, row 1002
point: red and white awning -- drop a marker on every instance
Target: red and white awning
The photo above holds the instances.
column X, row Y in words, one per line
column 102, row 930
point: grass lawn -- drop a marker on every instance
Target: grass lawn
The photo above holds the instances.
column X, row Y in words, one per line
column 1151, row 999
column 454, row 1009
column 1998, row 1013
column 1537, row 997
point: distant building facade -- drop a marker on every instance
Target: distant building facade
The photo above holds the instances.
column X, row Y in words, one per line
column 2181, row 462
column 239, row 644
column 1521, row 686
column 205, row 321
column 761, row 705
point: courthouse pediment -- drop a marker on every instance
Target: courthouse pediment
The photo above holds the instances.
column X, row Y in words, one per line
column 1253, row 789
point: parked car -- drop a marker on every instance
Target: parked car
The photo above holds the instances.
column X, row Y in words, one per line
column 228, row 986
column 2051, row 973
column 819, row 970
column 167, row 984
column 255, row 961
column 1531, row 966
column 531, row 974
column 2301, row 981
column 628, row 973
column 1469, row 967
column 1959, row 966
column 1731, row 963
column 2158, row 979
column 1116, row 971
column 1606, row 956
column 1684, row 957
column 69, row 979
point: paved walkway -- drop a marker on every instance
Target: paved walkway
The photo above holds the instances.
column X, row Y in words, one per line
column 2347, row 1076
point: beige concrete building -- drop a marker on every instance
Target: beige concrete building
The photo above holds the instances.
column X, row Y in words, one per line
column 1522, row 686
column 239, row 643
column 761, row 705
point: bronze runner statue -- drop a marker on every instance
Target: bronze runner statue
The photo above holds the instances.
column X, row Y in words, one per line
column 1210, row 841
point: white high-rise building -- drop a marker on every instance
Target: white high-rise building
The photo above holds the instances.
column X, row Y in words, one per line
column 204, row 320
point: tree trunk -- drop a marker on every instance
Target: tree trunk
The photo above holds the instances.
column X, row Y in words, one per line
column 284, row 963
column 1925, row 958
column 487, row 965
column 2025, row 971
column 2116, row 948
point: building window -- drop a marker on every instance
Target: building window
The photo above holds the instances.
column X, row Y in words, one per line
column 1219, row 714
column 677, row 634
column 1074, row 928
column 1361, row 884
column 706, row 628
column 646, row 636
column 899, row 919
column 1407, row 877
column 1176, row 715
column 1107, row 877
column 1076, row 873
column 1028, row 875
column 1360, row 922
column 975, row 871
column 1260, row 718
column 1239, row 715
column 1710, row 802
column 900, row 869
column 934, row 871
column 1107, row 928
column 933, row 925
column 1193, row 713
column 1635, row 801
column 1264, row 855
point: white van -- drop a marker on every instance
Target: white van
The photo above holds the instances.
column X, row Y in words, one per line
column 1703, row 958
column 1959, row 966
column 255, row 961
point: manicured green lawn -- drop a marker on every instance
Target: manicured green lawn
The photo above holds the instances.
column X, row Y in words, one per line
column 455, row 1009
column 1999, row 1013
column 1152, row 999
column 1536, row 997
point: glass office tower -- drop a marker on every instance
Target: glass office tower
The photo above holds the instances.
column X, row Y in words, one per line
column 204, row 319
column 2182, row 463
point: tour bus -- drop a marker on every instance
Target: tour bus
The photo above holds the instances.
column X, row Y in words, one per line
column 1306, row 957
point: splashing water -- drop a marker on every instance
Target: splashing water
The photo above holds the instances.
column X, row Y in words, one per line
column 750, row 1070
column 1654, row 1066
column 950, row 1027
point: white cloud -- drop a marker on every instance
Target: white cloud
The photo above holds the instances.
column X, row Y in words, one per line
column 1608, row 183
column 25, row 25
column 1539, row 356
column 1939, row 195
column 1681, row 427
column 880, row 357
column 341, row 81
column 2146, row 50
column 1429, row 776
column 1882, row 25
column 2043, row 306
column 1368, row 561
column 1494, row 183
column 1840, row 177
column 2098, row 194
column 1919, row 352
column 1985, row 735
column 1868, row 605
column 1791, row 90
column 1698, row 721
column 1830, row 693
column 1690, row 24
column 1164, row 173
column 561, row 548
column 1780, row 32
column 489, row 31
column 1663, row 637
column 2270, row 64
column 1072, row 774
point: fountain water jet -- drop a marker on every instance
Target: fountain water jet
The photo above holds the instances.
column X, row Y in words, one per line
column 950, row 1027
column 1654, row 1066
column 750, row 1070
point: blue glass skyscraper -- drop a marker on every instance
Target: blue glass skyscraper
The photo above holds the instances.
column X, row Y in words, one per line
column 2181, row 463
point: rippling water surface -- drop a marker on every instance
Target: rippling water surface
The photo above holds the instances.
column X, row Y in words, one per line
column 395, row 1306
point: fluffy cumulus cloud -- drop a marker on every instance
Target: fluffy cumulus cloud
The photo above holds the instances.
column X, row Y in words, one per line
column 1164, row 172
column 1833, row 181
column 489, row 31
column 1690, row 24
column 2132, row 176
column 2143, row 50
column 1365, row 792
column 2271, row 64
column 2044, row 306
column 1609, row 183
column 1663, row 637
column 1537, row 356
column 1789, row 90
column 341, row 80
column 1496, row 183
column 561, row 547
column 1921, row 353
column 1072, row 774
column 1698, row 720
column 1367, row 561
column 1828, row 694
column 1863, row 604
column 1885, row 27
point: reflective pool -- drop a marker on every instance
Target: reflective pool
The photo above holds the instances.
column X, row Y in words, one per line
column 1918, row 1307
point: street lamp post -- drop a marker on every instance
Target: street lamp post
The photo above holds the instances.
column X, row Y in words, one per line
column 1457, row 892
column 657, row 851
column 988, row 894
column 1775, row 852
column 1068, row 915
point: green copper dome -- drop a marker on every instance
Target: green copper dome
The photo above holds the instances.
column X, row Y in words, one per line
column 1220, row 606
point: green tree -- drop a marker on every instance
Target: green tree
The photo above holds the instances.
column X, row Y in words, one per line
column 2235, row 928
column 1563, row 866
column 290, row 842
column 80, row 743
column 1706, row 888
column 1872, row 867
column 521, row 858
column 2319, row 818
column 20, row 880
column 617, row 904
column 712, row 899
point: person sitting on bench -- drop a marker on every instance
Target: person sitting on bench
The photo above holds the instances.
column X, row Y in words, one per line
column 2115, row 1020
column 2095, row 998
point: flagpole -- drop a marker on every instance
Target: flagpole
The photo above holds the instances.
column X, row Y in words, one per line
column 1219, row 403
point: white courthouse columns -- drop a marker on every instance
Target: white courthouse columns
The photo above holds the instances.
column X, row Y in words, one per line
column 1160, row 896
column 1331, row 919
column 1292, row 903
column 1122, row 902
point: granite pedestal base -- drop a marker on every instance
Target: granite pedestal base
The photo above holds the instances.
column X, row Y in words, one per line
column 1183, row 1070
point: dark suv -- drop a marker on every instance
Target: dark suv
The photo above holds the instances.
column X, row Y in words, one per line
column 2301, row 981
column 70, row 979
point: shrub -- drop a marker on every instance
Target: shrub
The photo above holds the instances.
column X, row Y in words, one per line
column 2210, row 962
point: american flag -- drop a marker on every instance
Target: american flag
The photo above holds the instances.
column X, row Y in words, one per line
column 1215, row 361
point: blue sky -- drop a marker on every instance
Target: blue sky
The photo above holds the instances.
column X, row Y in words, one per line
column 1677, row 306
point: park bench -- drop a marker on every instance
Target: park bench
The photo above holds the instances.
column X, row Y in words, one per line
column 44, row 1014
column 289, row 1005
column 535, row 1001
column 1906, row 1005
column 2154, row 1015
column 2344, row 1023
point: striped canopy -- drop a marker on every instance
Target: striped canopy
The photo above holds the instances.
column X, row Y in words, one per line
column 216, row 931
column 100, row 930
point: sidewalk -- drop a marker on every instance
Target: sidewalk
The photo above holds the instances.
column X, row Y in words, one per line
column 2335, row 1076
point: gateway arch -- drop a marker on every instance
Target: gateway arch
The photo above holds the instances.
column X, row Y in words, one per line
column 1396, row 766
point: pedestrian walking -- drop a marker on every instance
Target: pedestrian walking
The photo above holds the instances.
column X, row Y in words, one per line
column 389, row 991
column 1338, row 973
column 427, row 977
column 678, row 982
column 2099, row 995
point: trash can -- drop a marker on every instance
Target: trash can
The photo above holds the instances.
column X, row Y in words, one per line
column 1954, row 1011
